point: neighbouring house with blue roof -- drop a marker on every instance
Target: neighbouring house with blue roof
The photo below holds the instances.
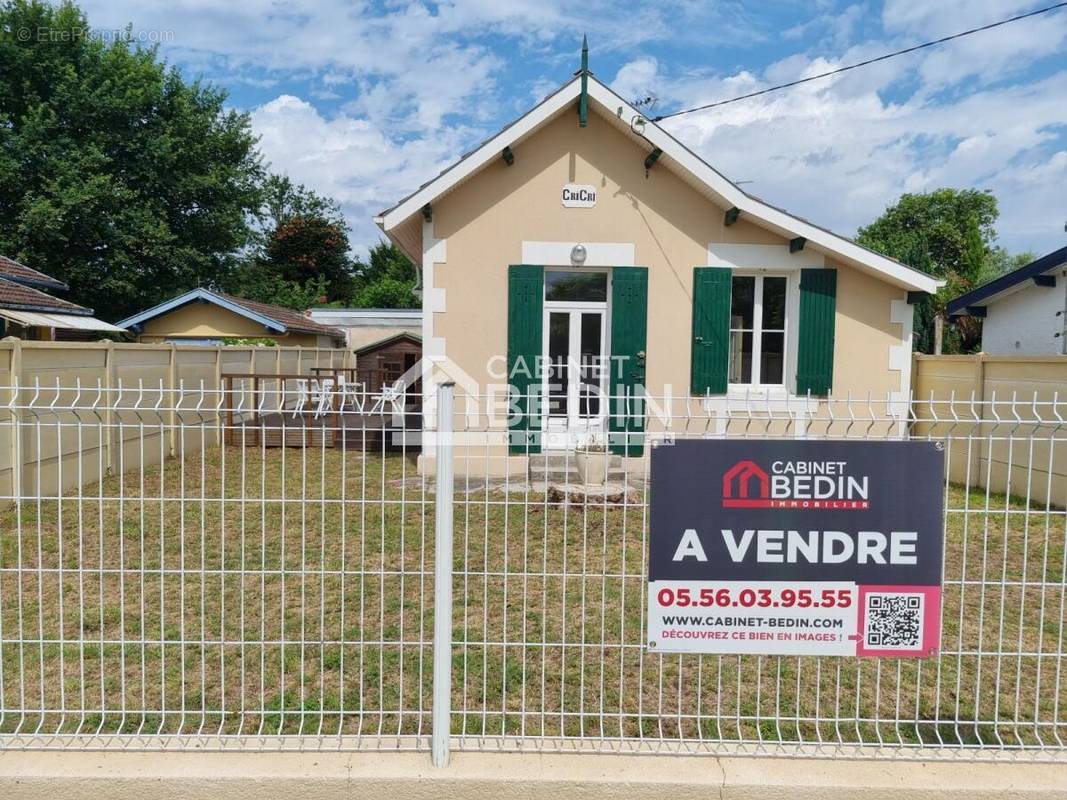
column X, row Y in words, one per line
column 207, row 317
column 1024, row 311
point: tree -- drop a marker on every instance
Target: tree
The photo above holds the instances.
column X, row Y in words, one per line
column 282, row 200
column 116, row 175
column 252, row 281
column 1001, row 262
column 300, row 255
column 309, row 239
column 387, row 280
column 947, row 233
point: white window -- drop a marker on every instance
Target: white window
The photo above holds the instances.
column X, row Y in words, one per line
column 758, row 346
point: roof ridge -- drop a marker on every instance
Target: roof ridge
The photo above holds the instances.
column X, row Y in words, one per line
column 295, row 318
column 680, row 158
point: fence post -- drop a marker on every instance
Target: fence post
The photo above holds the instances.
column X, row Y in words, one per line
column 442, row 615
column 16, row 418
column 177, row 438
column 112, row 402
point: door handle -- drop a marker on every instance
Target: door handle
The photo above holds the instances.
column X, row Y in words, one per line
column 698, row 339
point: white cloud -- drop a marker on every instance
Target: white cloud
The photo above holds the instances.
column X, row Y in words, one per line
column 348, row 158
column 418, row 84
column 637, row 78
column 838, row 151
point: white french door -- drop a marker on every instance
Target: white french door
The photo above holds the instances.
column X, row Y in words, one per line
column 575, row 371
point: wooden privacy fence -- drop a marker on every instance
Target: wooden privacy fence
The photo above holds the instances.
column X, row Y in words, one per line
column 1005, row 419
column 120, row 379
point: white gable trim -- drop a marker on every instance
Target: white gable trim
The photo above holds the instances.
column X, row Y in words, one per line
column 488, row 151
column 207, row 297
column 681, row 158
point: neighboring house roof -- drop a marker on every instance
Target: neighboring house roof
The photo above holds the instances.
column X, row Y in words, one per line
column 23, row 298
column 389, row 340
column 275, row 318
column 20, row 273
column 675, row 156
column 22, row 303
column 368, row 317
column 1006, row 284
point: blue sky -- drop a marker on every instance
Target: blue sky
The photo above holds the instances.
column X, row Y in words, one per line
column 364, row 101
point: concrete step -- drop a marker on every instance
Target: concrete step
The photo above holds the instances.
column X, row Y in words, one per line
column 561, row 458
column 562, row 467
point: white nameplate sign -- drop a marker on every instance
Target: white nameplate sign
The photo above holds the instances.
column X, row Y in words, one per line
column 578, row 195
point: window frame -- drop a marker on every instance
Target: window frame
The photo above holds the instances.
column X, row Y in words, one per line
column 791, row 311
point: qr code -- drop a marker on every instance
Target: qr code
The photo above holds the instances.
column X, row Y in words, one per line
column 893, row 621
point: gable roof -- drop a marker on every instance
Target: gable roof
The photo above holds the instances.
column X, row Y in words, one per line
column 396, row 337
column 676, row 157
column 275, row 318
column 20, row 273
column 1006, row 284
column 17, row 297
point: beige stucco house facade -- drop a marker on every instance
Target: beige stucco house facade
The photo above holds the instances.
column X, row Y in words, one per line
column 578, row 240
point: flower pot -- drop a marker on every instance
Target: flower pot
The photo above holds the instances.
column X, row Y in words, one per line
column 592, row 466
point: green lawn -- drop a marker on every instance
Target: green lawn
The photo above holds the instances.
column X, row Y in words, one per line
column 291, row 591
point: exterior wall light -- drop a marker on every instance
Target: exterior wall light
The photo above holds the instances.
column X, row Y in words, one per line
column 578, row 255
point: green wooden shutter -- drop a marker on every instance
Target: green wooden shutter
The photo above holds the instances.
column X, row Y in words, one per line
column 710, row 359
column 815, row 343
column 626, row 385
column 526, row 297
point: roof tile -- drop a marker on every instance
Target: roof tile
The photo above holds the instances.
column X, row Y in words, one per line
column 20, row 273
column 294, row 321
column 24, row 298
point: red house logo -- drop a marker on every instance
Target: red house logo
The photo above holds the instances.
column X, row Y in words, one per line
column 821, row 485
column 737, row 486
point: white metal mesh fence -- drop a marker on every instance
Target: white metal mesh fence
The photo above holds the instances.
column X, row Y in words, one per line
column 205, row 595
column 256, row 568
column 550, row 594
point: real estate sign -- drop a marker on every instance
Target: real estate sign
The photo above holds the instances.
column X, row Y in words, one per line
column 796, row 547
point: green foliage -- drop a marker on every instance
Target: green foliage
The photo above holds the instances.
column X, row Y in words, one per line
column 116, row 175
column 253, row 281
column 254, row 341
column 387, row 280
column 300, row 258
column 1001, row 262
column 133, row 185
column 302, row 249
column 282, row 200
column 947, row 233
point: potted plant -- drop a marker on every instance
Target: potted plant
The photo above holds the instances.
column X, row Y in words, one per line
column 592, row 460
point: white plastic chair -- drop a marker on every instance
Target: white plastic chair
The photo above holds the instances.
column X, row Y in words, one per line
column 325, row 391
column 353, row 395
column 302, row 396
column 393, row 396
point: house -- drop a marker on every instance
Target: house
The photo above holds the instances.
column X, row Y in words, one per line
column 1024, row 311
column 28, row 312
column 365, row 326
column 206, row 317
column 583, row 252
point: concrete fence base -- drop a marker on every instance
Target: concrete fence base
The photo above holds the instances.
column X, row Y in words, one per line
column 75, row 775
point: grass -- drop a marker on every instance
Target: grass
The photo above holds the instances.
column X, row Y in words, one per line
column 266, row 591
